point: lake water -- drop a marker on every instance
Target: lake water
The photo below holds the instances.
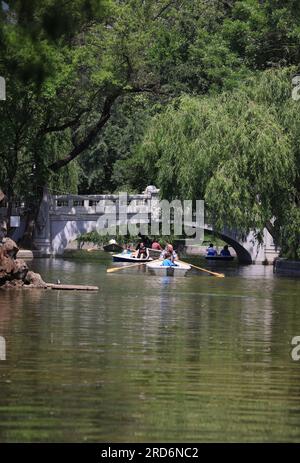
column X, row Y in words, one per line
column 150, row 359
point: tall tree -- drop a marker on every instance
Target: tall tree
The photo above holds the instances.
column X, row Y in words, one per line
column 239, row 151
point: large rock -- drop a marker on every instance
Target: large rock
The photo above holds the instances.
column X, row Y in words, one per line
column 11, row 269
column 34, row 280
column 16, row 284
column 6, row 266
column 9, row 248
column 20, row 269
column 14, row 273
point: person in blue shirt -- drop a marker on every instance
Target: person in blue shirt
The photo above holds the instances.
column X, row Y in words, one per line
column 211, row 251
column 167, row 262
column 127, row 250
column 225, row 251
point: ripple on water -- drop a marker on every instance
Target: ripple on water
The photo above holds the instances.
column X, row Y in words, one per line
column 151, row 359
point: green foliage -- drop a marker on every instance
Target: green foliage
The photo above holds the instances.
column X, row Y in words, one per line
column 229, row 132
column 100, row 240
column 44, row 90
column 100, row 166
column 93, row 237
column 290, row 233
column 238, row 151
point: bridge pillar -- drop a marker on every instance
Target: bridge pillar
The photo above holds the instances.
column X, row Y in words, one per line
column 42, row 238
column 264, row 252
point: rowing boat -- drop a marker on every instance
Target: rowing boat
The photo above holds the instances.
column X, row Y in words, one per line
column 228, row 258
column 128, row 258
column 180, row 269
column 112, row 247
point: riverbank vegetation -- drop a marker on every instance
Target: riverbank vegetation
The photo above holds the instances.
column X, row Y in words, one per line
column 193, row 96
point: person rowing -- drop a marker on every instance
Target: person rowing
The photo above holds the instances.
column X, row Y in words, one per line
column 168, row 262
column 169, row 250
column 143, row 252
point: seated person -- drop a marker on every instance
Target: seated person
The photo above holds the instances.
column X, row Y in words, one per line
column 145, row 240
column 169, row 250
column 142, row 252
column 135, row 253
column 127, row 249
column 225, row 251
column 211, row 251
column 156, row 245
column 168, row 262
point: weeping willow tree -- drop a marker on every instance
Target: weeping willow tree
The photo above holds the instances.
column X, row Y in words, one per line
column 239, row 151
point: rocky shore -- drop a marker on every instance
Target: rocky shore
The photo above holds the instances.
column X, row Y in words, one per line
column 14, row 273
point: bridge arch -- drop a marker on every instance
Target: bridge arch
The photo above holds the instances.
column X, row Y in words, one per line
column 65, row 230
column 242, row 253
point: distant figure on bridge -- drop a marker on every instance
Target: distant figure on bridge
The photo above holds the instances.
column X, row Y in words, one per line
column 211, row 251
column 155, row 245
column 225, row 251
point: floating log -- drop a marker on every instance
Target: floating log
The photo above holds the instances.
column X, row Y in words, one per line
column 72, row 287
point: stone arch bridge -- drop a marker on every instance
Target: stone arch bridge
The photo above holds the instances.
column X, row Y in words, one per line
column 63, row 218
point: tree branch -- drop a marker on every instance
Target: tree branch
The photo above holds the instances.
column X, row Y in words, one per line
column 90, row 137
column 96, row 129
column 66, row 125
column 163, row 9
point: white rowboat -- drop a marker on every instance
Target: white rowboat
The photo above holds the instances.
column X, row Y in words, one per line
column 179, row 270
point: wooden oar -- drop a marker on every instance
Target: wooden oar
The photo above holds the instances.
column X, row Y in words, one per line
column 116, row 269
column 219, row 275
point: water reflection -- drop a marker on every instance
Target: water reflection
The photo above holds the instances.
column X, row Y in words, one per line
column 150, row 358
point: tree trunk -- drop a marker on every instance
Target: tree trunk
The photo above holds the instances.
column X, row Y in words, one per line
column 26, row 241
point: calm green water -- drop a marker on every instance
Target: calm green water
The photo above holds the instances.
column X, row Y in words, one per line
column 151, row 359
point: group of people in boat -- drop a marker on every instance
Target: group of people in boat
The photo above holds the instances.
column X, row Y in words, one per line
column 212, row 252
column 168, row 255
